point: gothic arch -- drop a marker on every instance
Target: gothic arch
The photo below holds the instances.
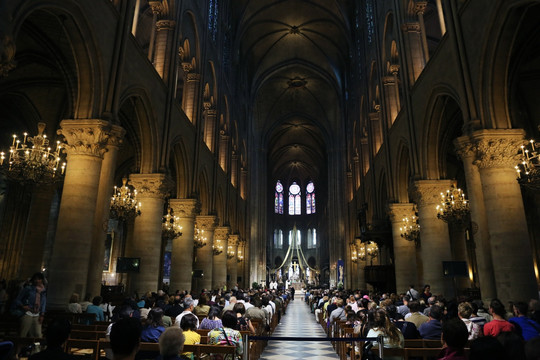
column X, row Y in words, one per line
column 190, row 32
column 180, row 158
column 203, row 191
column 403, row 172
column 220, row 206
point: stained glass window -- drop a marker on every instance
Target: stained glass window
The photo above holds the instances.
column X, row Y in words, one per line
column 295, row 207
column 312, row 239
column 278, row 198
column 310, row 198
column 213, row 12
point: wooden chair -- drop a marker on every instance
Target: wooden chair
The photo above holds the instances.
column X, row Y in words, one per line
column 202, row 349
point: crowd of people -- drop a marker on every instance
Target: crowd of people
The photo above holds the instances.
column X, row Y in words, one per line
column 492, row 333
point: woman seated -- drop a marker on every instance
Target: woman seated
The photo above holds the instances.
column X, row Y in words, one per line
column 154, row 326
column 382, row 326
column 226, row 335
column 188, row 324
column 74, row 306
column 202, row 307
column 243, row 324
column 212, row 321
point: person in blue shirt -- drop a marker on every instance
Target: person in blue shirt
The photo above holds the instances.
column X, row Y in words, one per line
column 30, row 304
column 528, row 328
column 432, row 329
column 96, row 309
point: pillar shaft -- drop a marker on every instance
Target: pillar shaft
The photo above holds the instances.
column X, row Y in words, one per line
column 415, row 51
column 404, row 251
column 435, row 241
column 106, row 179
column 147, row 240
column 219, row 266
column 182, row 248
column 164, row 35
column 190, row 97
column 204, row 262
column 507, row 226
column 86, row 140
column 232, row 263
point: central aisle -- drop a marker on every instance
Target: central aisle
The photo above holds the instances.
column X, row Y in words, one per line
column 299, row 321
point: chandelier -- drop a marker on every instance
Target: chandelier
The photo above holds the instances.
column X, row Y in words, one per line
column 410, row 229
column 171, row 228
column 217, row 248
column 199, row 240
column 528, row 168
column 230, row 252
column 361, row 253
column 240, row 256
column 354, row 254
column 372, row 249
column 32, row 160
column 454, row 207
column 124, row 205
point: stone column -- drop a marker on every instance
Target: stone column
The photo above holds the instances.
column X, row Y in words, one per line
column 204, row 255
column 86, row 141
column 435, row 241
column 415, row 50
column 507, row 226
column 36, row 230
column 223, row 150
column 146, row 244
column 391, row 98
column 106, row 179
column 182, row 248
column 404, row 250
column 156, row 10
column 232, row 263
column 420, row 7
column 361, row 265
column 234, row 169
column 190, row 95
column 164, row 29
column 210, row 125
column 219, row 266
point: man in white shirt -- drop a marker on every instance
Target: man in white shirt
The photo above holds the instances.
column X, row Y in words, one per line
column 189, row 305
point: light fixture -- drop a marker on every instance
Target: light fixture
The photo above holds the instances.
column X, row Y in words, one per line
column 32, row 160
column 240, row 256
column 454, row 208
column 372, row 249
column 230, row 252
column 171, row 228
column 361, row 253
column 124, row 205
column 354, row 254
column 199, row 240
column 217, row 248
column 410, row 229
column 528, row 167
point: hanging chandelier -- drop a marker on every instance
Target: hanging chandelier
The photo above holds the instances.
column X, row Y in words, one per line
column 230, row 252
column 199, row 240
column 372, row 249
column 217, row 248
column 124, row 205
column 361, row 253
column 32, row 160
column 410, row 229
column 528, row 167
column 354, row 255
column 171, row 228
column 454, row 208
column 240, row 256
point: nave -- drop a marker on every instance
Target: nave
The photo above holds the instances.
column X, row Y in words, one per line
column 298, row 321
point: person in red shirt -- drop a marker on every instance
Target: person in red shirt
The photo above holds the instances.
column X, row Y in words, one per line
column 498, row 324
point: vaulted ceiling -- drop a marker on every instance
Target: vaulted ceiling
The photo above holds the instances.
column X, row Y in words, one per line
column 294, row 55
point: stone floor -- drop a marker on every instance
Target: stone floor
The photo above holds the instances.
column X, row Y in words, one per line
column 298, row 321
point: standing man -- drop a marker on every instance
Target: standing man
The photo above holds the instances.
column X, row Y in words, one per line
column 32, row 300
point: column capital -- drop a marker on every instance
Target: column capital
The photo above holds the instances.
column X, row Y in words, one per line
column 222, row 232
column 7, row 55
column 192, row 76
column 207, row 222
column 156, row 6
column 411, row 27
column 185, row 208
column 87, row 136
column 465, row 148
column 151, row 185
column 116, row 136
column 165, row 24
column 186, row 66
column 498, row 148
column 420, row 6
column 428, row 192
column 234, row 239
column 399, row 211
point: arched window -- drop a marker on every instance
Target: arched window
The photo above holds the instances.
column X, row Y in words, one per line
column 294, row 199
column 312, row 239
column 278, row 198
column 213, row 13
column 310, row 198
column 278, row 239
column 292, row 238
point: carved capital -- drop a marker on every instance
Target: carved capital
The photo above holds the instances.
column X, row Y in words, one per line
column 165, row 25
column 185, row 208
column 187, row 67
column 393, row 69
column 399, row 211
column 156, row 6
column 222, row 233
column 7, row 55
column 234, row 240
column 116, row 136
column 388, row 81
column 465, row 149
column 411, row 27
column 85, row 137
column 498, row 148
column 151, row 185
column 207, row 222
column 193, row 76
column 420, row 7
column 428, row 192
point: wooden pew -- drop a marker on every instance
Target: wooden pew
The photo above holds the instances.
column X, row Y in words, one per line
column 85, row 348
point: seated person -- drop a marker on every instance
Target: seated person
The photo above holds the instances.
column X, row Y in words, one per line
column 56, row 335
column 188, row 324
column 202, row 307
column 125, row 337
column 432, row 329
column 74, row 306
column 96, row 309
column 465, row 311
column 499, row 323
column 171, row 343
column 226, row 335
column 528, row 328
column 154, row 326
column 212, row 321
column 455, row 336
column 243, row 324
